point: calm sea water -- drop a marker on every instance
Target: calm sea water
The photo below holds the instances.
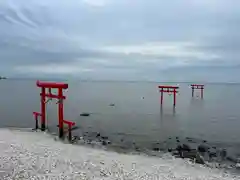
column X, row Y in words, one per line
column 216, row 118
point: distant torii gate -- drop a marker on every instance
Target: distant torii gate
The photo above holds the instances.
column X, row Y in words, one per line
column 168, row 89
column 197, row 86
column 44, row 95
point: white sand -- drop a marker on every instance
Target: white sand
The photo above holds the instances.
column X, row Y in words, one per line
column 34, row 155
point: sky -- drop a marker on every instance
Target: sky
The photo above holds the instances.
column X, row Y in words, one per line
column 146, row 40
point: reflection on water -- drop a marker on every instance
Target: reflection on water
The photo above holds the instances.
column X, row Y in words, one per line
column 168, row 122
column 197, row 102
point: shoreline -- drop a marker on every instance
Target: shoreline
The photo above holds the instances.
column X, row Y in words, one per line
column 36, row 155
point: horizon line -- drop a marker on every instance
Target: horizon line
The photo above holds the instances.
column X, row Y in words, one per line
column 127, row 81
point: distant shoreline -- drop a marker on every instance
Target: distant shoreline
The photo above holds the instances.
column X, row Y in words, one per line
column 2, row 77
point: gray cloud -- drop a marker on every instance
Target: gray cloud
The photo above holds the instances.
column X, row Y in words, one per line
column 103, row 39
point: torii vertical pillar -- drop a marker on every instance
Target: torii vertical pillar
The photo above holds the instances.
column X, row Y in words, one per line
column 43, row 109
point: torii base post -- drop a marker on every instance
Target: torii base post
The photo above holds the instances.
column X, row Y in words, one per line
column 60, row 114
column 70, row 125
column 36, row 115
column 197, row 86
column 168, row 89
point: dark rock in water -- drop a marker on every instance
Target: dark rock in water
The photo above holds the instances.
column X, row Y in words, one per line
column 194, row 155
column 186, row 147
column 156, row 149
column 178, row 141
column 104, row 143
column 175, row 153
column 232, row 159
column 179, row 148
column 104, row 137
column 203, row 148
column 190, row 139
column 98, row 135
column 223, row 153
column 76, row 137
column 212, row 154
column 88, row 141
column 74, row 128
column 177, row 138
column 112, row 104
column 204, row 141
column 169, row 138
column 169, row 150
column 137, row 148
column 183, row 147
column 85, row 114
column 162, row 149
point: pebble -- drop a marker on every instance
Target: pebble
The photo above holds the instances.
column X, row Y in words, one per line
column 237, row 165
column 203, row 148
column 104, row 143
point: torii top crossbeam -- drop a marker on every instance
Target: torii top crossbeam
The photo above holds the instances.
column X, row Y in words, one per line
column 170, row 87
column 197, row 86
column 52, row 85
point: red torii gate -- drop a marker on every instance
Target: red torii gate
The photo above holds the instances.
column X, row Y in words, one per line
column 197, row 86
column 44, row 95
column 169, row 89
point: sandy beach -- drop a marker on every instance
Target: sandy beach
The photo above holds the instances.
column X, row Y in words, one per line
column 36, row 155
